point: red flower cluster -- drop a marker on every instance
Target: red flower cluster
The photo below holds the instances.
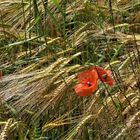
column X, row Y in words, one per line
column 88, row 80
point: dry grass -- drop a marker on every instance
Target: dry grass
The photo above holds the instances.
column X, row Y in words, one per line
column 43, row 46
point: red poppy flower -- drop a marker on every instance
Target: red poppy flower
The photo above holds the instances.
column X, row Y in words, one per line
column 88, row 83
column 104, row 75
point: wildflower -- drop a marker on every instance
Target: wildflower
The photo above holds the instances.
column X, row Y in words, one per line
column 88, row 83
column 104, row 75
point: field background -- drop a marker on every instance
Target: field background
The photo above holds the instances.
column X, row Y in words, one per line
column 44, row 44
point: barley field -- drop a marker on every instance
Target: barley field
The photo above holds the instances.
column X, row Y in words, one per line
column 69, row 70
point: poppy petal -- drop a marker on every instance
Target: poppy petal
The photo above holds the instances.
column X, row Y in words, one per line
column 88, row 75
column 104, row 75
column 110, row 81
column 94, row 75
column 108, row 72
column 83, row 90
